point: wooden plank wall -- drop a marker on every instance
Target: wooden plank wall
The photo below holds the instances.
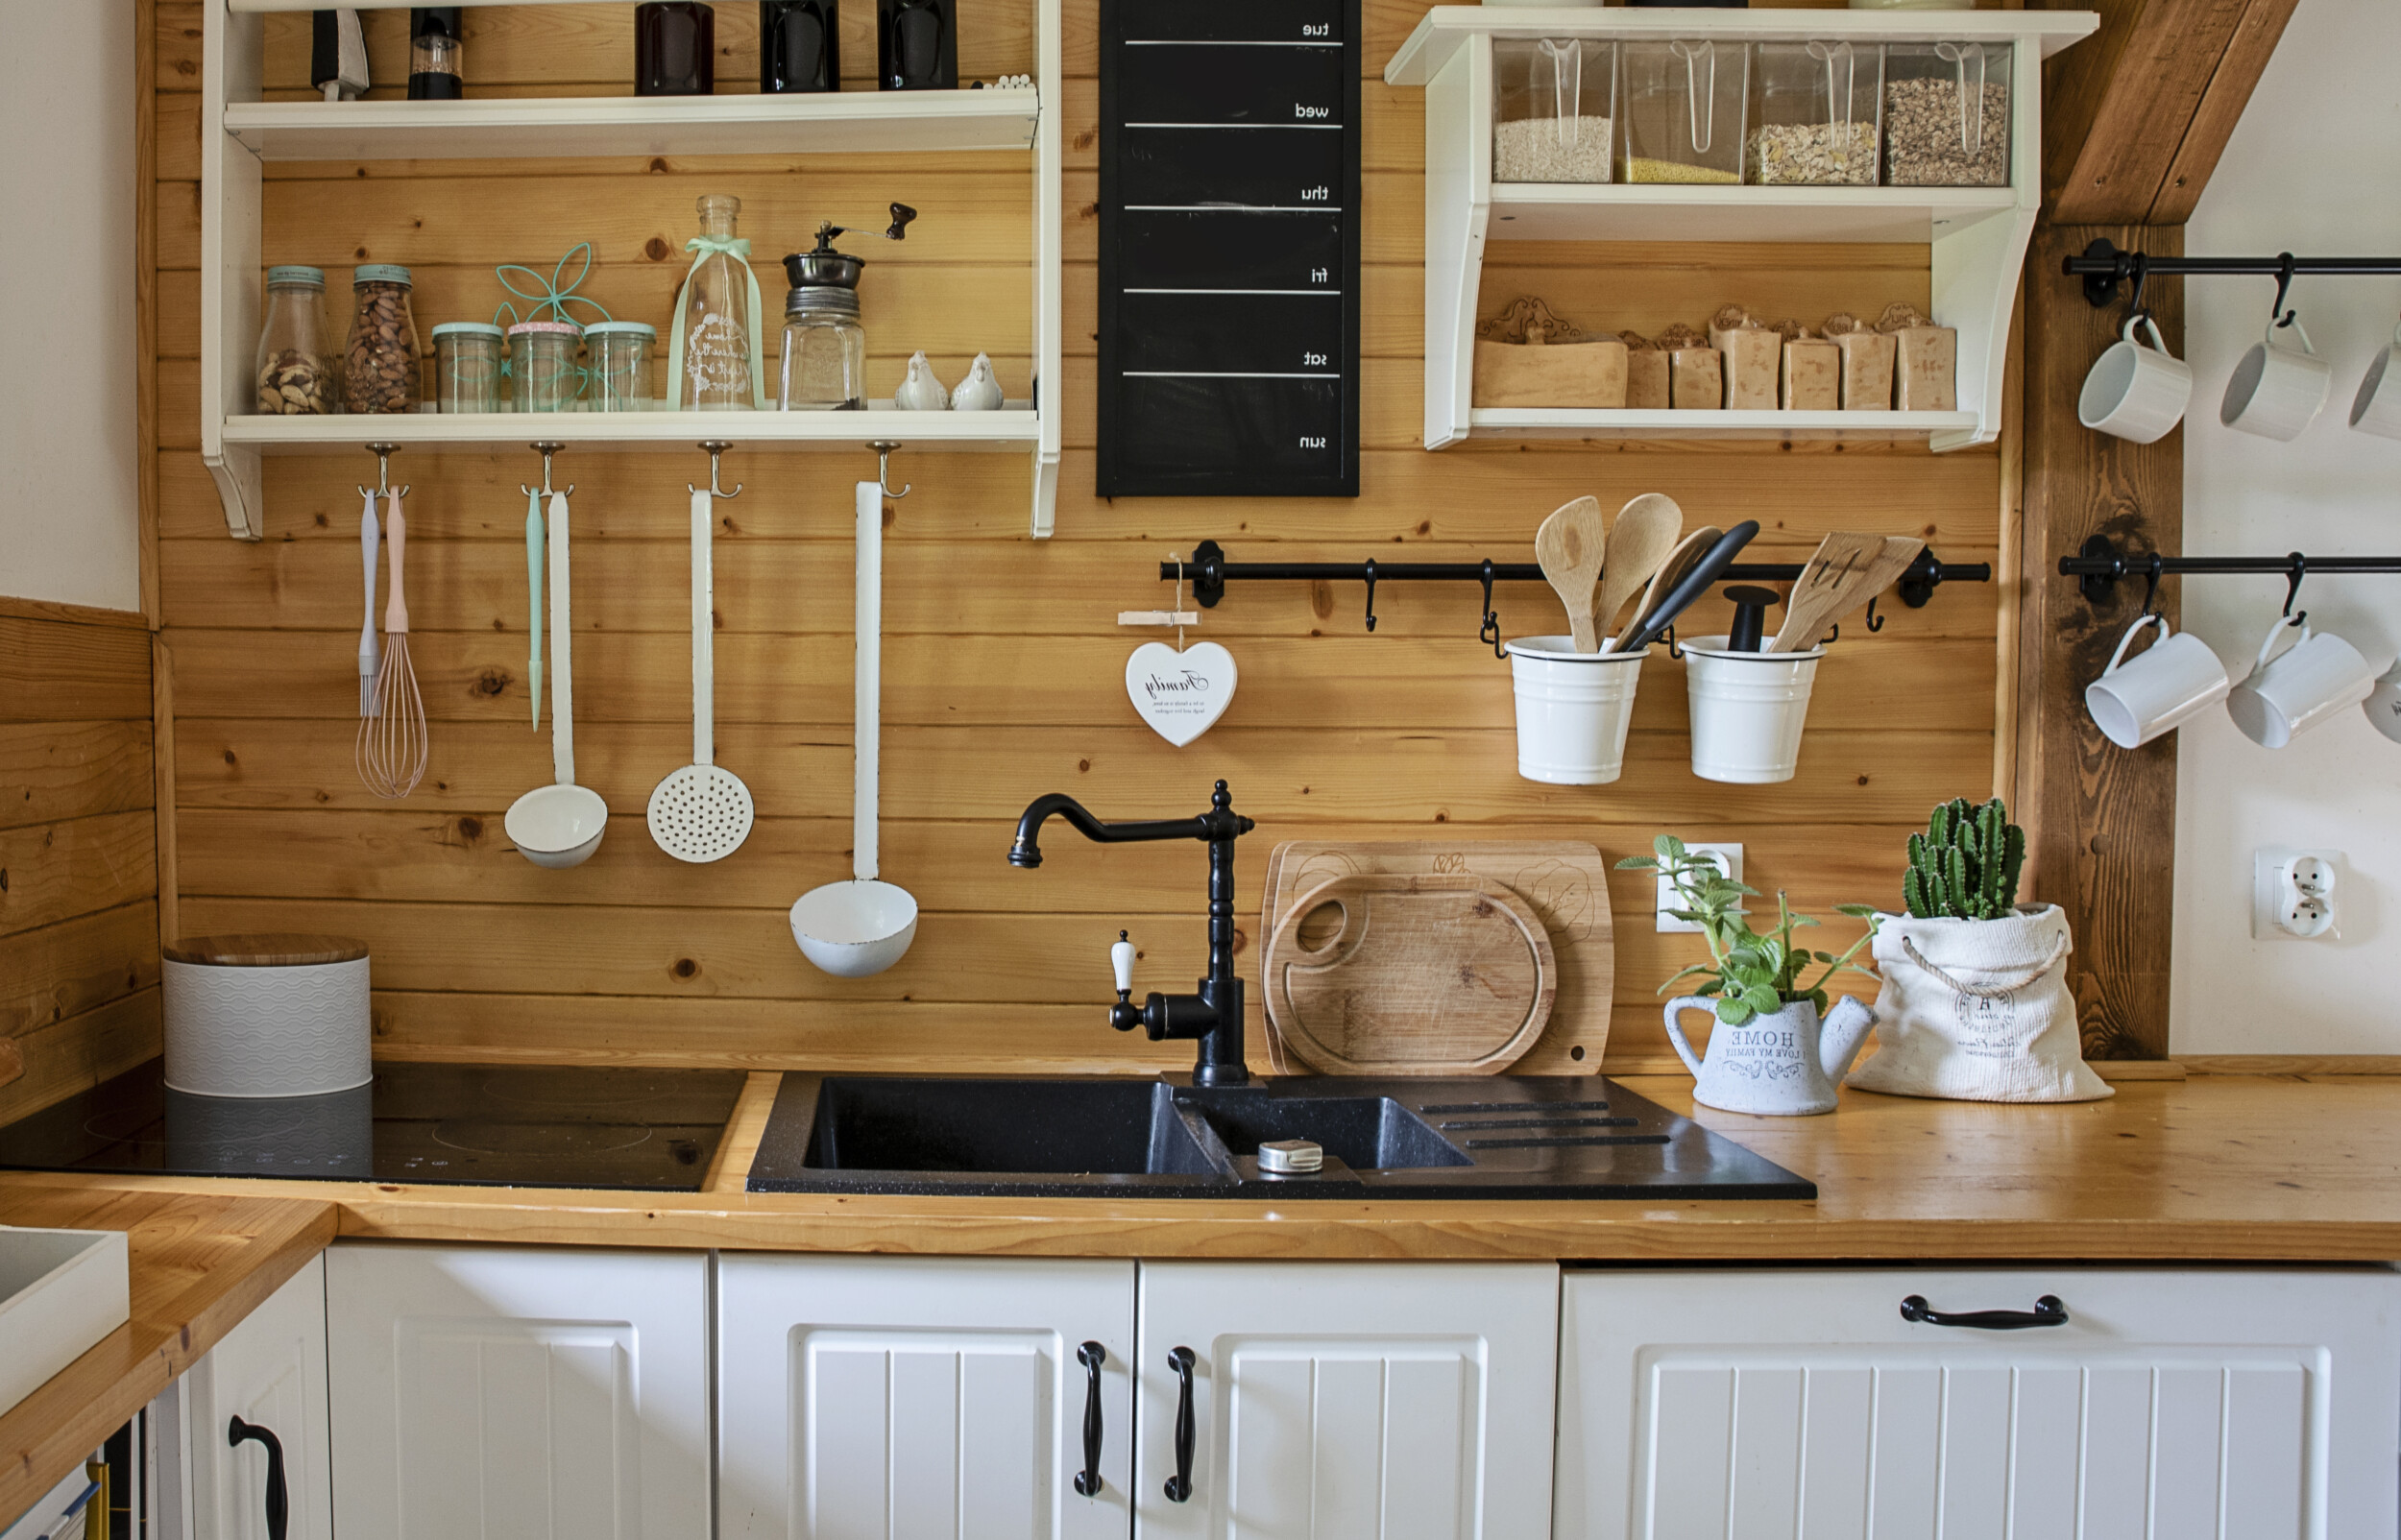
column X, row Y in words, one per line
column 1003, row 662
column 79, row 874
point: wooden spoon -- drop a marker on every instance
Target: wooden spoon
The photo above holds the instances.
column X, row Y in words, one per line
column 1571, row 546
column 1644, row 537
column 1683, row 559
column 1845, row 572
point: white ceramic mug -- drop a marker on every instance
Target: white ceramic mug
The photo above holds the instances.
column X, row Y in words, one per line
column 2133, row 391
column 2377, row 408
column 2159, row 690
column 2275, row 392
column 2383, row 705
column 2308, row 682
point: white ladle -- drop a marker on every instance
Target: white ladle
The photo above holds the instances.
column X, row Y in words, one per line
column 560, row 824
column 857, row 928
column 701, row 812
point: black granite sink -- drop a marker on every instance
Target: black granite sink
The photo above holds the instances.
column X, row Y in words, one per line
column 1506, row 1137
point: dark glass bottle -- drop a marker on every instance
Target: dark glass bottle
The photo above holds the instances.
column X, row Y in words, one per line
column 435, row 71
column 800, row 46
column 916, row 46
column 675, row 49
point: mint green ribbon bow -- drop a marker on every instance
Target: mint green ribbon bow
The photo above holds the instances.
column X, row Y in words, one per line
column 703, row 247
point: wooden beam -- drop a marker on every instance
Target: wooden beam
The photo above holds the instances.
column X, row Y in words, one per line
column 2100, row 820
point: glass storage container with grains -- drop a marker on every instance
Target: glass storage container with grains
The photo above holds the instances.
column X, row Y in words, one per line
column 1681, row 102
column 465, row 367
column 295, row 368
column 434, row 65
column 542, row 375
column 618, row 355
column 1813, row 110
column 1554, row 109
column 825, row 350
column 1947, row 114
column 715, row 345
column 379, row 367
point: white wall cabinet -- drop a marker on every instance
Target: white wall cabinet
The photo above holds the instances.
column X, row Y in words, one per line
column 1348, row 1401
column 270, row 1370
column 916, row 1398
column 2261, row 1405
column 490, row 1393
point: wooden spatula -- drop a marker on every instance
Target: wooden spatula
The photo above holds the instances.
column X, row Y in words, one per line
column 1570, row 546
column 1688, row 553
column 1846, row 571
column 1644, row 537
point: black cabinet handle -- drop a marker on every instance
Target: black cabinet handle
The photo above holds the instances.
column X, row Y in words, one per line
column 2047, row 1312
column 1092, row 1355
column 1179, row 1484
column 278, row 1497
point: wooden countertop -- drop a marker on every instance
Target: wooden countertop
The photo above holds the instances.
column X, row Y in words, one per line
column 200, row 1261
column 2289, row 1167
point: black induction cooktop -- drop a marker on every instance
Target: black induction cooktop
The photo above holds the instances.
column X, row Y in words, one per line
column 481, row 1125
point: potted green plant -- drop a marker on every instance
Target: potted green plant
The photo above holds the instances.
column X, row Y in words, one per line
column 1974, row 1004
column 1776, row 1048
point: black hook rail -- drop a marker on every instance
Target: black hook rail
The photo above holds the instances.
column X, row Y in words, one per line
column 2099, row 566
column 2104, row 267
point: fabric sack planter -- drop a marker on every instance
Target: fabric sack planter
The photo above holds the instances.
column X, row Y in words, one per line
column 1977, row 1010
column 1573, row 709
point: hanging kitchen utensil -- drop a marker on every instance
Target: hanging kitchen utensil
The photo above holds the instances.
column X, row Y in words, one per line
column 391, row 748
column 1642, row 538
column 1571, row 546
column 559, row 825
column 370, row 651
column 702, row 813
column 533, row 602
column 1178, row 691
column 1704, row 573
column 861, row 927
column 1846, row 571
column 1680, row 561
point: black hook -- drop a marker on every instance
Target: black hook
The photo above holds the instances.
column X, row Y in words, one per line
column 1831, row 637
column 1875, row 621
column 2284, row 282
column 2151, row 586
column 2299, row 569
column 1491, row 628
column 2141, row 276
column 1371, row 594
column 1673, row 650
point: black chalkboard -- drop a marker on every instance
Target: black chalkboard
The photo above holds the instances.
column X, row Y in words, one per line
column 1229, row 248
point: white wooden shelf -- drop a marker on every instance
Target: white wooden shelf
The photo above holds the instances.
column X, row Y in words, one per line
column 1977, row 236
column 241, row 132
column 1016, row 426
column 532, row 127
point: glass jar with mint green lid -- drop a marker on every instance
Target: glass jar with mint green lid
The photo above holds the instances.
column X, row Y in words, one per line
column 617, row 360
column 467, row 367
column 543, row 375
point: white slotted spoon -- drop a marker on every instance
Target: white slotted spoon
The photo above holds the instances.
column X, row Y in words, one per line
column 701, row 812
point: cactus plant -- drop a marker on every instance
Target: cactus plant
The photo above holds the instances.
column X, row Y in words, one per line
column 1966, row 864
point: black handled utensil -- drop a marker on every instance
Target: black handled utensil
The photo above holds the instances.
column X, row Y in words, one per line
column 1697, row 582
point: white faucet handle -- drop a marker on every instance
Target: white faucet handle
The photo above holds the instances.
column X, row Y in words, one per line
column 1121, row 959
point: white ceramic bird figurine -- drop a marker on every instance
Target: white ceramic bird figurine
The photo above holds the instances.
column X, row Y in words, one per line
column 979, row 392
column 920, row 391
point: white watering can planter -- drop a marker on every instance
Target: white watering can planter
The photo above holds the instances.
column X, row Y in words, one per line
column 1779, row 1066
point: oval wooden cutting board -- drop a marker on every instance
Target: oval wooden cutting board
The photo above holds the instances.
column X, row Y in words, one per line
column 1422, row 975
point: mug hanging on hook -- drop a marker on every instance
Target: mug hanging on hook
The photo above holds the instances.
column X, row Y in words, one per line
column 1178, row 691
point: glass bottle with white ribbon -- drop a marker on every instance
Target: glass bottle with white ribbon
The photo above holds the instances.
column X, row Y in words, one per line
column 713, row 352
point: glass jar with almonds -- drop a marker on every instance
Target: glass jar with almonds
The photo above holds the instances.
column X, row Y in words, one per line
column 294, row 370
column 1813, row 114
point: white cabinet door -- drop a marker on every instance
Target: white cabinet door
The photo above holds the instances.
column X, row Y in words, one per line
column 1801, row 1406
column 491, row 1393
column 871, row 1397
column 270, row 1371
column 1348, row 1401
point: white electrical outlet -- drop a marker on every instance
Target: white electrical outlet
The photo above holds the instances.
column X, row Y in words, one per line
column 2292, row 895
column 1729, row 859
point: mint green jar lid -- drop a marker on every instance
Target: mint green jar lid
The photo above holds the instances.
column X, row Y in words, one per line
column 297, row 275
column 380, row 272
column 622, row 328
column 467, row 329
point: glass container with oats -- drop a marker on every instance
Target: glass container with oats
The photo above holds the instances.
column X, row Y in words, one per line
column 1947, row 114
column 1813, row 111
column 1683, row 103
column 1554, row 108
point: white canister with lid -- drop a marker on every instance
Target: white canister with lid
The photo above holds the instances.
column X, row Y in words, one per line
column 266, row 1015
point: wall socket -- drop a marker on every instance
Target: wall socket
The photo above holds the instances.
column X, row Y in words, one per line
column 2292, row 895
column 1728, row 861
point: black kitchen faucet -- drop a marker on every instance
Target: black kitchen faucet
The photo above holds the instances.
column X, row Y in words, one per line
column 1214, row 1015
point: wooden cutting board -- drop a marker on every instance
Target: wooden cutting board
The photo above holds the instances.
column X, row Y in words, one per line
column 1380, row 973
column 1564, row 883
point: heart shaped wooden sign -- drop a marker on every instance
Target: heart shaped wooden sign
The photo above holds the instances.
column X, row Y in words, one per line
column 1180, row 694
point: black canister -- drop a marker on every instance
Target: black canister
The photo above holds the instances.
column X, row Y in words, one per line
column 916, row 46
column 435, row 71
column 800, row 46
column 675, row 45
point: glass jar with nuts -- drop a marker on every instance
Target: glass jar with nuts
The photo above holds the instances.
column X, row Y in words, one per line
column 295, row 372
column 379, row 371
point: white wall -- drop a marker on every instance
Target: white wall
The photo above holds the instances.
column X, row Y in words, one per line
column 2314, row 167
column 69, row 446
